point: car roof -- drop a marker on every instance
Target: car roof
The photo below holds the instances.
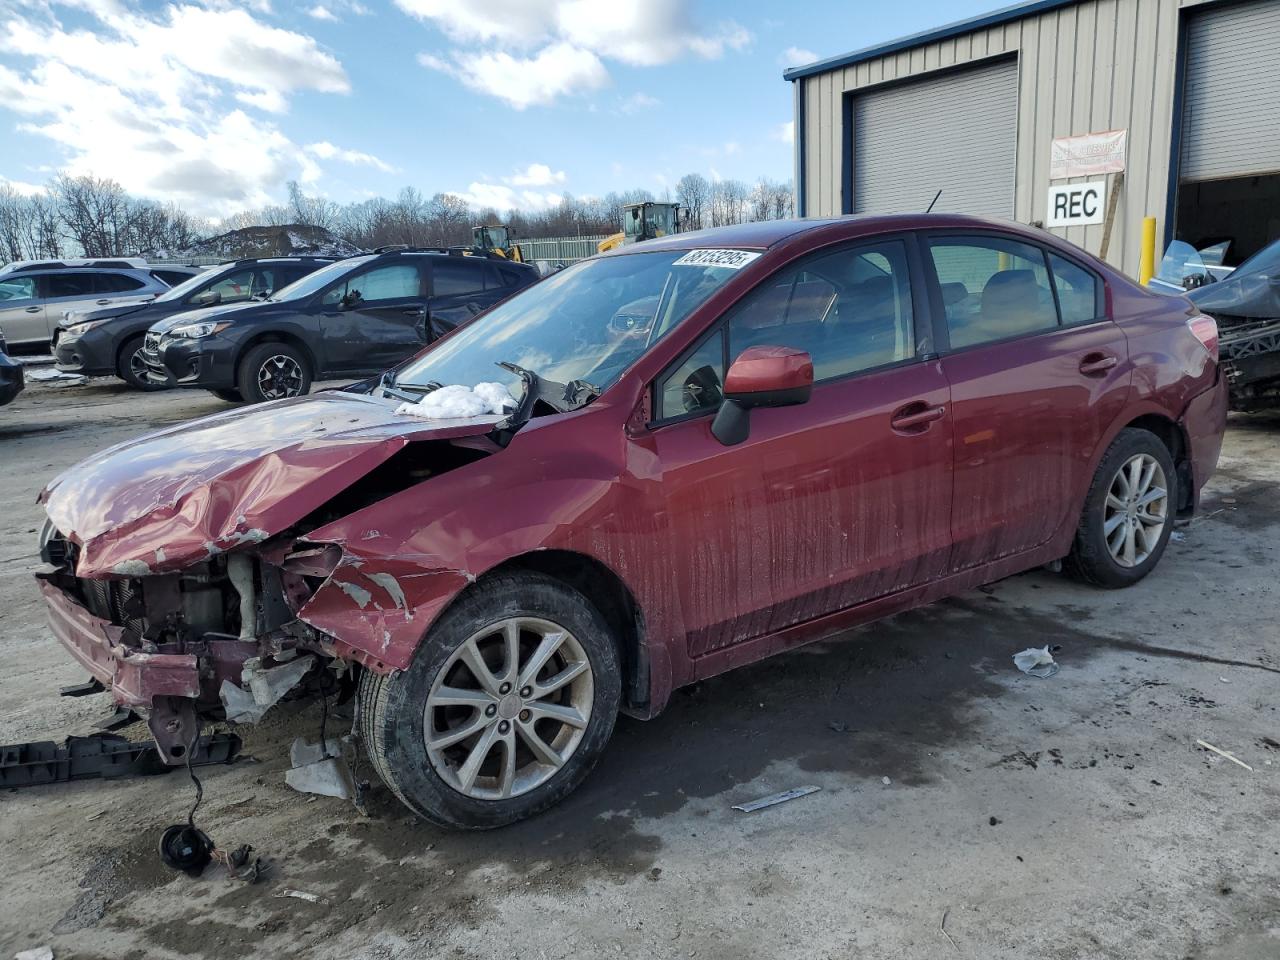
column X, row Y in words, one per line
column 763, row 234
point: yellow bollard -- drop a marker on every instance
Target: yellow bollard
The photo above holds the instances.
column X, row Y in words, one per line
column 1147, row 265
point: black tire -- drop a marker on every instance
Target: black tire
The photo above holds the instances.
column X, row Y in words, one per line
column 281, row 356
column 391, row 709
column 129, row 367
column 231, row 396
column 1091, row 559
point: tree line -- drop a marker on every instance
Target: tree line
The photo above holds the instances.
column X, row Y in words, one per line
column 93, row 217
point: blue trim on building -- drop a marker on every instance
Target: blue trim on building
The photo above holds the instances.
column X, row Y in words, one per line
column 959, row 28
column 802, row 201
column 1175, row 137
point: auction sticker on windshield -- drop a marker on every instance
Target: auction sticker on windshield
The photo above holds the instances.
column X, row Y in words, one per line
column 732, row 259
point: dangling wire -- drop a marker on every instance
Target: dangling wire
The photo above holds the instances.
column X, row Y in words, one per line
column 195, row 744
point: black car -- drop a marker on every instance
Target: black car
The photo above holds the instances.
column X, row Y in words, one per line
column 108, row 340
column 357, row 317
column 11, row 382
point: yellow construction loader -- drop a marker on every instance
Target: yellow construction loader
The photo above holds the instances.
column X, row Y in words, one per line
column 643, row 221
column 495, row 240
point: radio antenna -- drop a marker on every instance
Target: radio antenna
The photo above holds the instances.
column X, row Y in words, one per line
column 935, row 200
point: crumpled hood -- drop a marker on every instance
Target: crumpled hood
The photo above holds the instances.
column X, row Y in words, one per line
column 167, row 500
column 207, row 313
column 118, row 308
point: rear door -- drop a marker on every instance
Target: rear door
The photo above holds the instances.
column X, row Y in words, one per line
column 1038, row 373
column 22, row 310
column 460, row 288
column 70, row 290
column 826, row 505
column 381, row 326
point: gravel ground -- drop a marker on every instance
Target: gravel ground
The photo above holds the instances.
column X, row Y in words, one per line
column 966, row 810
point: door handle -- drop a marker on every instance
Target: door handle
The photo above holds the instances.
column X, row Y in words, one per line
column 1098, row 362
column 414, row 313
column 34, row 309
column 915, row 417
column 103, row 302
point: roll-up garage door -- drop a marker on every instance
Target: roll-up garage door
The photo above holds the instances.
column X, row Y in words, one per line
column 955, row 133
column 1231, row 101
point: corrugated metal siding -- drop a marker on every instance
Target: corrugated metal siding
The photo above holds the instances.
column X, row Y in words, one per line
column 977, row 107
column 1231, row 103
column 1096, row 65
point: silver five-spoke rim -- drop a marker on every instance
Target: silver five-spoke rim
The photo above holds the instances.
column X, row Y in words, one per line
column 138, row 366
column 1136, row 510
column 509, row 708
column 280, row 377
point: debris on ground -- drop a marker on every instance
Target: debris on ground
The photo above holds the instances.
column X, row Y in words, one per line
column 39, row 953
column 1222, row 753
column 238, row 864
column 776, row 798
column 56, row 376
column 1178, row 536
column 1036, row 662
column 301, row 895
column 261, row 687
column 105, row 756
column 886, row 781
column 457, row 401
column 320, row 769
column 839, row 726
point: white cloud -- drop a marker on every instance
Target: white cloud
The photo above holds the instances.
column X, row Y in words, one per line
column 785, row 132
column 332, row 11
column 523, row 82
column 562, row 44
column 732, row 147
column 796, row 57
column 327, row 151
column 536, row 175
column 504, row 198
column 637, row 102
column 21, row 187
column 321, row 12
column 149, row 101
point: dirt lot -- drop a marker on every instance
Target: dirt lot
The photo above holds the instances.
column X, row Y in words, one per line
column 1066, row 818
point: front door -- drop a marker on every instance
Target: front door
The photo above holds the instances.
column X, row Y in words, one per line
column 22, row 311
column 460, row 288
column 374, row 319
column 826, row 505
column 1038, row 373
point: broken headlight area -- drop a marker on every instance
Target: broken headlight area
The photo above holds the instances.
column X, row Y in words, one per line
column 218, row 641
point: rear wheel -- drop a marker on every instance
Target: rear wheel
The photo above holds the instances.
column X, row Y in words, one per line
column 273, row 371
column 507, row 706
column 132, row 369
column 1128, row 513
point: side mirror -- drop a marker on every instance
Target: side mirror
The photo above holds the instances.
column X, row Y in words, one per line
column 350, row 299
column 761, row 377
column 207, row 298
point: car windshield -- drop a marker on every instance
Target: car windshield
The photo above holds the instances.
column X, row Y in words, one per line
column 194, row 283
column 313, row 282
column 588, row 322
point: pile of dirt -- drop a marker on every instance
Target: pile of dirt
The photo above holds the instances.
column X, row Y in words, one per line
column 290, row 239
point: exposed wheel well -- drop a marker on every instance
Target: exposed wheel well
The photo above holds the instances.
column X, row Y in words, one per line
column 1172, row 436
column 602, row 587
column 279, row 336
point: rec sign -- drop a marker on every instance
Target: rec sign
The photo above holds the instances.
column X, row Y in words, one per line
column 1077, row 204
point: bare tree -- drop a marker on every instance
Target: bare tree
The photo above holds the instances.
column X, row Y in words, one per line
column 692, row 193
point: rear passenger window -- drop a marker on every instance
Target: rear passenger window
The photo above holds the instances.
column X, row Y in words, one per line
column 992, row 288
column 451, row 279
column 116, row 283
column 69, row 284
column 849, row 310
column 1078, row 291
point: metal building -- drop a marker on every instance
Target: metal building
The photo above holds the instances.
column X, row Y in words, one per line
column 1184, row 96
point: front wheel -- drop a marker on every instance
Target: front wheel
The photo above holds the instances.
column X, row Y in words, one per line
column 273, row 371
column 1128, row 513
column 132, row 369
column 506, row 708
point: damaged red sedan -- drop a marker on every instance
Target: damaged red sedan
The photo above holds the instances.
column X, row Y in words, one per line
column 650, row 468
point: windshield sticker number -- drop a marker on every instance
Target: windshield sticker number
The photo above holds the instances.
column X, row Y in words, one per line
column 730, row 259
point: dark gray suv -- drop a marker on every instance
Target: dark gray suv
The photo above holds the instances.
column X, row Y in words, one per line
column 34, row 294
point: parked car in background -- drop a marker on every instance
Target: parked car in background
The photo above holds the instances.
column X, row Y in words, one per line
column 718, row 445
column 11, row 380
column 102, row 341
column 34, row 294
column 355, row 317
column 1245, row 301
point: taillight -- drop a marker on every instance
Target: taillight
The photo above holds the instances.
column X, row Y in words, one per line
column 1205, row 329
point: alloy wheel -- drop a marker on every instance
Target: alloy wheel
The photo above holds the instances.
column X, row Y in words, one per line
column 508, row 708
column 138, row 366
column 279, row 377
column 1136, row 510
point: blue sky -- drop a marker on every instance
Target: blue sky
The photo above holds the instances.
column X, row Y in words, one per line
column 217, row 104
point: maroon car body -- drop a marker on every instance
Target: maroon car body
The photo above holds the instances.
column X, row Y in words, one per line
column 882, row 491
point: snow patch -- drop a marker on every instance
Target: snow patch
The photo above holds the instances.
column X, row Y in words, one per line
column 458, row 402
column 131, row 568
